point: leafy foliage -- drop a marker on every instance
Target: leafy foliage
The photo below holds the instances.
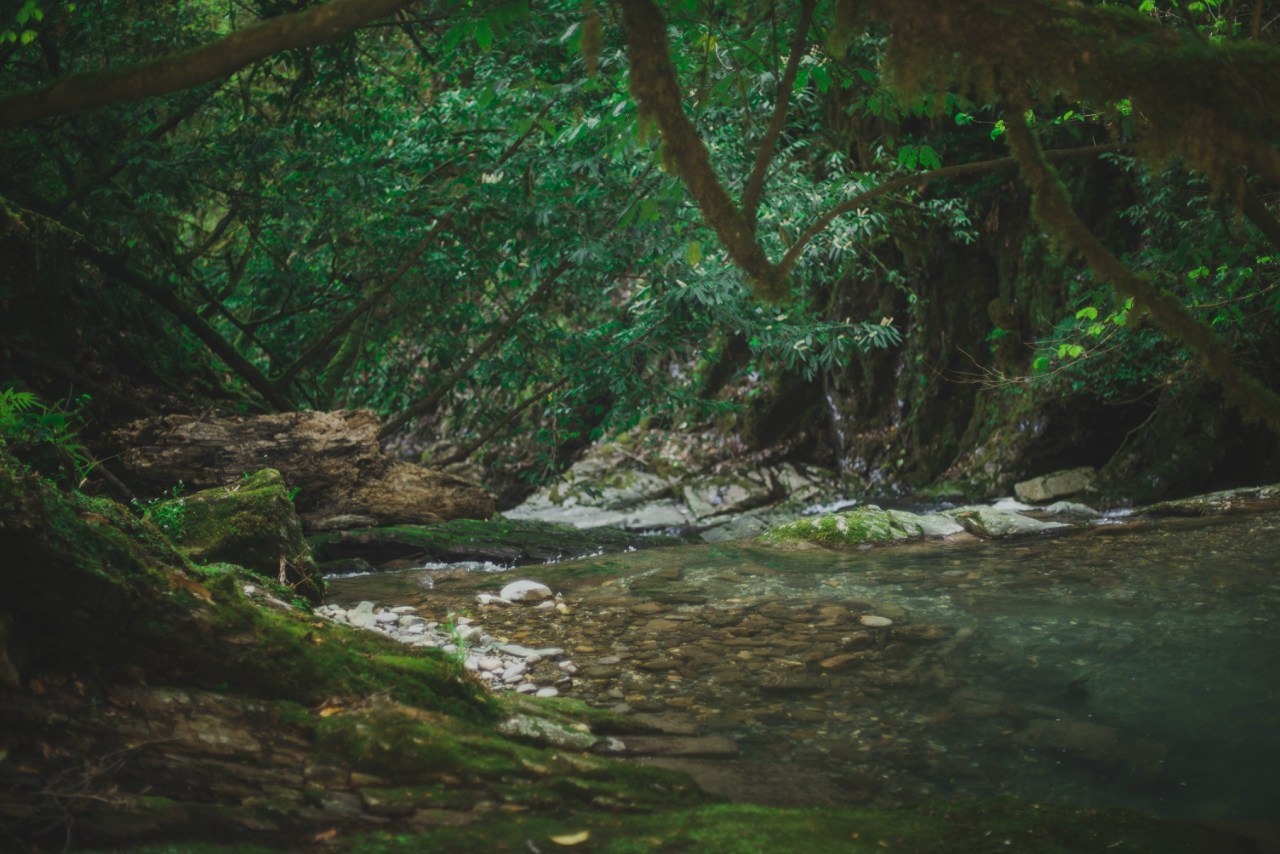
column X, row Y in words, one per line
column 45, row 436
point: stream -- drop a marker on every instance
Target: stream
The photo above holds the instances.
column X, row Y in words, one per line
column 1124, row 664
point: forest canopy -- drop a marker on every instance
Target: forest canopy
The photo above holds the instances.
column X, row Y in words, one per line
column 489, row 220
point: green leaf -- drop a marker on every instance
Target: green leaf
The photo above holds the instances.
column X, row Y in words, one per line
column 998, row 130
column 1087, row 313
column 1040, row 364
column 693, row 253
column 484, row 34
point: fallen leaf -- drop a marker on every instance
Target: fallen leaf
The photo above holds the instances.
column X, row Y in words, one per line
column 330, row 710
column 197, row 590
column 572, row 838
column 325, row 835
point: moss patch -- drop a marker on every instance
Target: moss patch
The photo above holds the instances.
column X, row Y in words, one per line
column 851, row 528
column 138, row 606
column 966, row 828
column 251, row 523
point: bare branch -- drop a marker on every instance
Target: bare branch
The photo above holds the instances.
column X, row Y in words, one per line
column 920, row 179
column 184, row 69
column 1253, row 399
column 754, row 191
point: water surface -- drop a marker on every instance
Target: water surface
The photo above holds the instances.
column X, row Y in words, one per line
column 1127, row 664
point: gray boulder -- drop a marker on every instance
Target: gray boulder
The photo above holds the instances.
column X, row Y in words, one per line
column 1059, row 484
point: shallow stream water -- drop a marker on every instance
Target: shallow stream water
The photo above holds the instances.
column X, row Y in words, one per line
column 1134, row 665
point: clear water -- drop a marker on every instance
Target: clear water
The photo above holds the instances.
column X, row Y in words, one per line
column 1127, row 664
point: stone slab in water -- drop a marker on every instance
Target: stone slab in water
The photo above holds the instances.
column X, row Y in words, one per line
column 706, row 746
column 1059, row 484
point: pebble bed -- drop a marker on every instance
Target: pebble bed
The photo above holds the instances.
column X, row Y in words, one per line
column 498, row 663
column 1048, row 668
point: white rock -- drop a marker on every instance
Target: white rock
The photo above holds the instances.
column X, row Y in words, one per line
column 546, row 692
column 490, row 599
column 404, row 609
column 875, row 622
column 526, row 688
column 546, row 605
column 568, row 667
column 517, row 650
column 525, row 590
column 361, row 620
column 550, row 652
column 513, row 672
column 491, row 663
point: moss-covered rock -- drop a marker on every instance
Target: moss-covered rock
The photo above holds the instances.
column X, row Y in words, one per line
column 991, row 522
column 137, row 607
column 862, row 525
column 251, row 523
column 501, row 540
column 961, row 828
column 1247, row 498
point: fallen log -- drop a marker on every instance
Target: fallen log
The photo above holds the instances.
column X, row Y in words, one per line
column 333, row 460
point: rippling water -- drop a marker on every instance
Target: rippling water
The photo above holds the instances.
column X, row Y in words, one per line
column 1134, row 664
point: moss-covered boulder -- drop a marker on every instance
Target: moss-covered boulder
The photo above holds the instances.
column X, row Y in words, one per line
column 994, row 522
column 860, row 526
column 500, row 540
column 1247, row 498
column 251, row 523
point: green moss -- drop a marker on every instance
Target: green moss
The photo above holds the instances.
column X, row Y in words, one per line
column 410, row 747
column 251, row 523
column 965, row 828
column 142, row 606
column 404, row 744
column 855, row 527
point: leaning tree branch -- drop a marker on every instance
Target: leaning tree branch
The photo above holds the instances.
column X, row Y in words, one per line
column 656, row 89
column 1259, row 214
column 287, row 377
column 471, row 447
column 442, row 388
column 920, row 179
column 1052, row 206
column 184, row 69
column 754, row 191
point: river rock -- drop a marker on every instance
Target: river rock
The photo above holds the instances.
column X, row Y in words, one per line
column 545, row 732
column 251, row 522
column 990, row 522
column 725, row 494
column 867, row 524
column 1073, row 510
column 1059, row 484
column 525, row 590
